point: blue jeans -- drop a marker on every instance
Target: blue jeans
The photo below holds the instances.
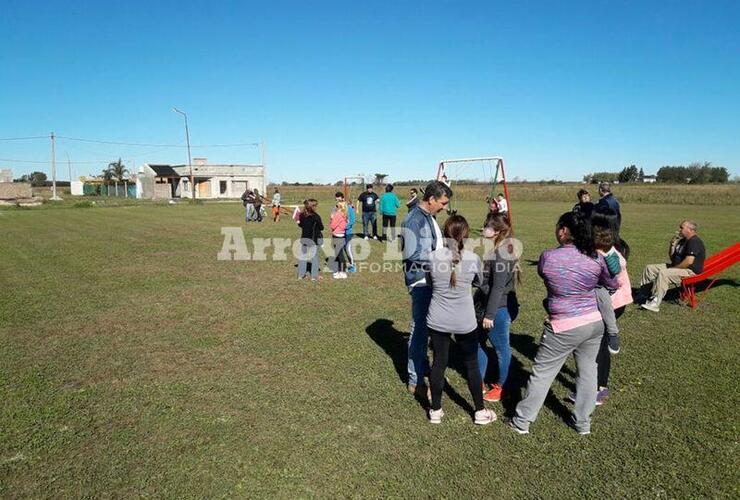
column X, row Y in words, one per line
column 499, row 337
column 308, row 247
column 418, row 362
column 250, row 212
column 367, row 219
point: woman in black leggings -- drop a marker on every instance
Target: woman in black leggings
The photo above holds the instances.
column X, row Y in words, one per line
column 451, row 312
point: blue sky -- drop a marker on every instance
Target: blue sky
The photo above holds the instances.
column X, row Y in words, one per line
column 337, row 88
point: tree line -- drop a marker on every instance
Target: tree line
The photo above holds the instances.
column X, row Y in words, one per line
column 694, row 173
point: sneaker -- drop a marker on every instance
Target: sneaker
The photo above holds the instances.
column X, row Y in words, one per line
column 367, row 238
column 435, row 416
column 375, row 237
column 494, row 394
column 343, row 275
column 602, row 396
column 516, row 429
column 651, row 305
column 337, row 276
column 613, row 343
column 351, row 269
column 484, row 416
column 584, row 433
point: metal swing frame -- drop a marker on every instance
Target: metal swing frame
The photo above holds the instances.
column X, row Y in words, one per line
column 442, row 169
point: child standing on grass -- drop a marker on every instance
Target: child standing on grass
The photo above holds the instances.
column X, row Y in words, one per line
column 454, row 270
column 498, row 301
column 311, row 226
column 338, row 226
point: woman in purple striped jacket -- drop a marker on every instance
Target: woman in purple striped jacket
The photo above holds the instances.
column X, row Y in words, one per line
column 571, row 273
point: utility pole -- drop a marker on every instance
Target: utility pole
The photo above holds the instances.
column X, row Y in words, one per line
column 190, row 161
column 69, row 167
column 264, row 167
column 54, row 196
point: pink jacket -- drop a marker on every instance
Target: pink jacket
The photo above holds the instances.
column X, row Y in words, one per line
column 338, row 223
column 623, row 295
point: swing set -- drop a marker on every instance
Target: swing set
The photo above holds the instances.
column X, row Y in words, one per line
column 451, row 171
column 347, row 185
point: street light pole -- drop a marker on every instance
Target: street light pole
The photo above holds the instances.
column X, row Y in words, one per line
column 190, row 161
column 54, row 196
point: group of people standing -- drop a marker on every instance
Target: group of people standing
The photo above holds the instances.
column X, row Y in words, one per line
column 341, row 225
column 586, row 281
column 255, row 212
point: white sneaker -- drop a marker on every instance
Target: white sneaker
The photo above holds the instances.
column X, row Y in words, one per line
column 343, row 275
column 651, row 305
column 435, row 416
column 484, row 416
column 375, row 237
column 337, row 276
column 367, row 238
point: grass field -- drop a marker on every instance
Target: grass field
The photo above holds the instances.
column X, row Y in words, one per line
column 133, row 362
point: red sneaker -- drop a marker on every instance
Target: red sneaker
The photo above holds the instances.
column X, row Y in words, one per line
column 494, row 394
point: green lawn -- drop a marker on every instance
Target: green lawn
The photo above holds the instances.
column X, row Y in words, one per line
column 133, row 362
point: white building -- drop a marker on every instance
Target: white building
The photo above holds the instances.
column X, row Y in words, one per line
column 6, row 175
column 211, row 181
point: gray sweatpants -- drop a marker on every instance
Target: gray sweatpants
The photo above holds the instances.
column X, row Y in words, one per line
column 604, row 303
column 554, row 349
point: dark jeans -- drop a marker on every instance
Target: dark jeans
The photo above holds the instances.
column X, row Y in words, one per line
column 258, row 212
column 390, row 222
column 468, row 344
column 340, row 259
column 367, row 219
column 604, row 357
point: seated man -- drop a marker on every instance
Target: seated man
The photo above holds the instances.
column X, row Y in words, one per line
column 686, row 252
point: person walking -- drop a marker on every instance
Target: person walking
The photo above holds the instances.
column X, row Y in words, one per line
column 420, row 236
column 276, row 199
column 389, row 204
column 454, row 270
column 571, row 273
column 368, row 201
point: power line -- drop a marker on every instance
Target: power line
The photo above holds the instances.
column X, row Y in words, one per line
column 118, row 143
column 46, row 162
column 24, row 138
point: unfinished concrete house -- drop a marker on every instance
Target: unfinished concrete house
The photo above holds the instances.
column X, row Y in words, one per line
column 157, row 181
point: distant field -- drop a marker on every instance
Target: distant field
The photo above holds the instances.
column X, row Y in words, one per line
column 715, row 194
column 134, row 363
column 705, row 194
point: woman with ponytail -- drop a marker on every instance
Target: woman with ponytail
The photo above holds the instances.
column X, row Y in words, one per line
column 571, row 273
column 497, row 300
column 453, row 272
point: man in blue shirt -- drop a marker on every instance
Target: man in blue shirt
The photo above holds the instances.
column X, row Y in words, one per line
column 420, row 236
column 608, row 201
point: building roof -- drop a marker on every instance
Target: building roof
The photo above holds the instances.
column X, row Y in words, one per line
column 164, row 171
